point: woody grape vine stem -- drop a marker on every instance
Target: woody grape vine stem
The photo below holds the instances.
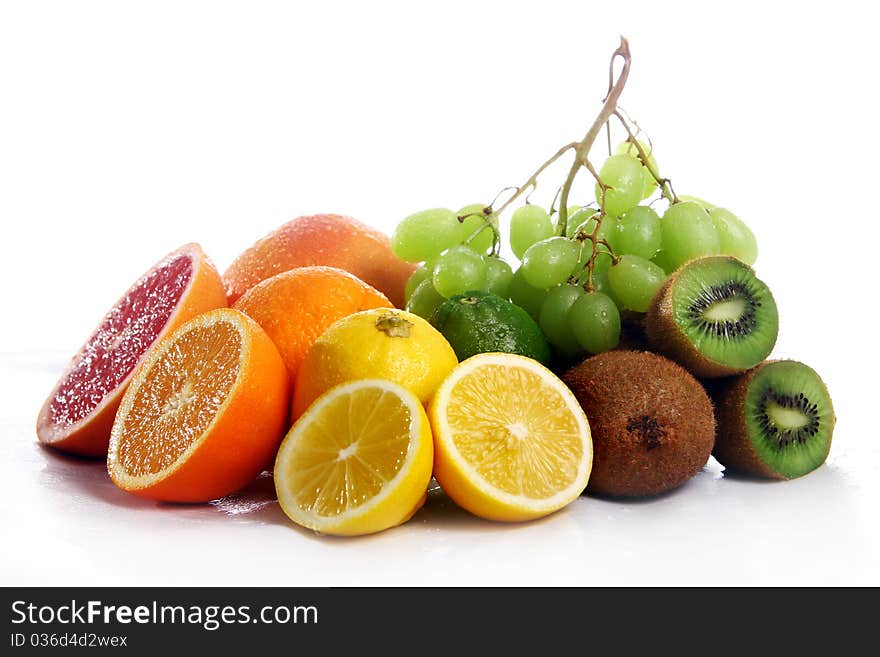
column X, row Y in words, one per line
column 488, row 212
column 581, row 159
column 582, row 150
column 533, row 179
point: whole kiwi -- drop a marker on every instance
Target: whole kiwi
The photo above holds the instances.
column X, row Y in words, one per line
column 651, row 421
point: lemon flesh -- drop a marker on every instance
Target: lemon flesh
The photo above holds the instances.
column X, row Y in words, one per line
column 511, row 441
column 359, row 461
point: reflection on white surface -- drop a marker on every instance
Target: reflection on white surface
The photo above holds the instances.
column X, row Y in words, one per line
column 68, row 524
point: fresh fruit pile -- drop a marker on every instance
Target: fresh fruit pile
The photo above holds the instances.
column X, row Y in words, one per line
column 628, row 346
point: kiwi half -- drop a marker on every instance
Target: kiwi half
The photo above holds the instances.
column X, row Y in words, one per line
column 714, row 316
column 775, row 420
column 651, row 422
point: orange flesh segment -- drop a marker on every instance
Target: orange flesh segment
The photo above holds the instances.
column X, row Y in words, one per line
column 500, row 427
column 344, row 457
column 179, row 398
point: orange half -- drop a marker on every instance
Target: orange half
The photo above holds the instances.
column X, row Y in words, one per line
column 203, row 414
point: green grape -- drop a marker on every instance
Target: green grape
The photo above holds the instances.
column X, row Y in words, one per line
column 424, row 272
column 688, row 232
column 460, row 270
column 698, row 201
column 734, row 236
column 603, row 260
column 550, row 261
column 624, row 175
column 484, row 239
column 595, row 322
column 424, row 300
column 663, row 262
column 425, row 235
column 605, row 229
column 602, row 264
column 637, row 233
column 499, row 276
column 553, row 319
column 525, row 296
column 529, row 224
column 585, row 250
column 572, row 210
column 650, row 183
column 635, row 281
column 578, row 220
column 609, row 230
column 600, row 278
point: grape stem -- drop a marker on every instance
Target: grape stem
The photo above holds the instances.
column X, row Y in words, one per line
column 532, row 182
column 490, row 215
column 582, row 152
column 582, row 149
column 665, row 184
column 581, row 159
column 593, row 235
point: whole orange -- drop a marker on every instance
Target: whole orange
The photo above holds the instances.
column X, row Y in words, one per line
column 322, row 239
column 297, row 306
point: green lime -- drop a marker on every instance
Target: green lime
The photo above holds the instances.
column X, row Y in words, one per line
column 479, row 322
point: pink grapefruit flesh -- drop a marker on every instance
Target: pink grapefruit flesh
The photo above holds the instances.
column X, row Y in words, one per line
column 78, row 414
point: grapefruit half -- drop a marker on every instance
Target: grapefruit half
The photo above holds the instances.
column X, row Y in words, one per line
column 79, row 412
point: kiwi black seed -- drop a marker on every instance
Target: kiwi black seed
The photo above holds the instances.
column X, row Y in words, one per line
column 651, row 421
column 714, row 316
column 775, row 420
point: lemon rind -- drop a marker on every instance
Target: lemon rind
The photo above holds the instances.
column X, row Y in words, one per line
column 340, row 522
column 514, row 502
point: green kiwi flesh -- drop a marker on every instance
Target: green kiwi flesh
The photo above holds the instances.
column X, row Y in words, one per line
column 774, row 421
column 651, row 421
column 714, row 316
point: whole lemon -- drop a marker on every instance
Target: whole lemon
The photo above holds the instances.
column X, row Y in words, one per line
column 375, row 344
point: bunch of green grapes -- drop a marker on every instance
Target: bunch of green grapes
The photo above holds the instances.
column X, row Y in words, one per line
column 575, row 296
column 457, row 252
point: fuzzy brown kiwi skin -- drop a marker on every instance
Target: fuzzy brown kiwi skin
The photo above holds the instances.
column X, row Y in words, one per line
column 733, row 449
column 666, row 338
column 618, row 390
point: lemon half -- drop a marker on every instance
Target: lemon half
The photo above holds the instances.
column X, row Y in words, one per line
column 511, row 442
column 358, row 461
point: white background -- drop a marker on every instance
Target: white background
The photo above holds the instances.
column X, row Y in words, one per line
column 127, row 129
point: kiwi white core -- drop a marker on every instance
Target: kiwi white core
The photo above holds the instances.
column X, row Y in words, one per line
column 728, row 310
column 786, row 418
